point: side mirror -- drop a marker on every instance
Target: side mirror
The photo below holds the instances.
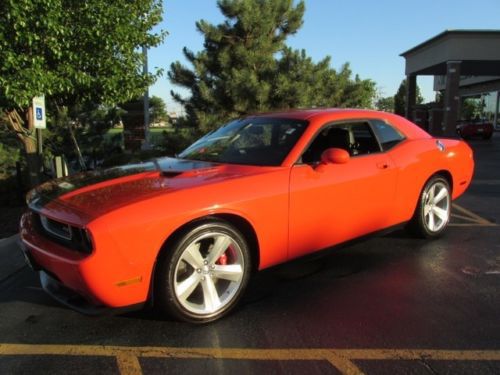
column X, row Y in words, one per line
column 334, row 156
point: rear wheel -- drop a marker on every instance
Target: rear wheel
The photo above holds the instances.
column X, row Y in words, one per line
column 433, row 210
column 202, row 277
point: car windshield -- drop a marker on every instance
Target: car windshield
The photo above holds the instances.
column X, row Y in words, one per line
column 252, row 141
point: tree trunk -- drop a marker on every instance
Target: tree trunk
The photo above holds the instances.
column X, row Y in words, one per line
column 81, row 161
column 25, row 132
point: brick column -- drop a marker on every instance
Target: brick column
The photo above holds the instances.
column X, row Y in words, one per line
column 451, row 98
column 411, row 95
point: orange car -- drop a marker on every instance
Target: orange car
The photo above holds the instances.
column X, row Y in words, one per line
column 187, row 233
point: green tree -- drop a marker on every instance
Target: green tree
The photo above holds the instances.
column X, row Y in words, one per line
column 472, row 108
column 157, row 110
column 9, row 153
column 400, row 98
column 89, row 124
column 246, row 67
column 233, row 74
column 73, row 52
column 385, row 104
column 299, row 82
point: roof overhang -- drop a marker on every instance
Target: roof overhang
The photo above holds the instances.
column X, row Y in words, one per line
column 477, row 50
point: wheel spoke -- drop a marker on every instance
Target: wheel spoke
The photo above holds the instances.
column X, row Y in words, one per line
column 231, row 272
column 219, row 247
column 192, row 255
column 210, row 295
column 440, row 196
column 426, row 198
column 186, row 287
column 431, row 223
column 432, row 190
column 427, row 209
column 442, row 214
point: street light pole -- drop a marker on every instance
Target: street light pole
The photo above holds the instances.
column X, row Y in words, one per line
column 146, row 145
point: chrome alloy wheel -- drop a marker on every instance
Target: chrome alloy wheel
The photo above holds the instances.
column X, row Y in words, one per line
column 436, row 206
column 209, row 273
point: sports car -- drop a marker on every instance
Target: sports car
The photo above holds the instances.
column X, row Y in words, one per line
column 186, row 233
column 475, row 128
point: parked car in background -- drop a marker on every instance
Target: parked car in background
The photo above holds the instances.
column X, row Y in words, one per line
column 475, row 128
column 186, row 233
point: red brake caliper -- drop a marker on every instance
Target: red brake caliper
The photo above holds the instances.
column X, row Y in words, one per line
column 222, row 260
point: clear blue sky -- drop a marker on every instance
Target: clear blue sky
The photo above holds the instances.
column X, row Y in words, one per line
column 369, row 34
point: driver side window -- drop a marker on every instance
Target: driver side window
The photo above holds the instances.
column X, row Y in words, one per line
column 356, row 138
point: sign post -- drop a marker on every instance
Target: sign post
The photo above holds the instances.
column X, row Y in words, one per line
column 40, row 121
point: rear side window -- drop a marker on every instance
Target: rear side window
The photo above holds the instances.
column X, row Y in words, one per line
column 388, row 135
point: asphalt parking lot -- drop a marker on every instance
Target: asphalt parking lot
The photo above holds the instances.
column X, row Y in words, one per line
column 389, row 304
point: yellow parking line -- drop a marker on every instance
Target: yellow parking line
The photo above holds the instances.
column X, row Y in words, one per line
column 342, row 363
column 414, row 354
column 472, row 215
column 128, row 357
column 128, row 364
column 460, row 217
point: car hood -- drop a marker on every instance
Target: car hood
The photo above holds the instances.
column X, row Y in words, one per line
column 79, row 198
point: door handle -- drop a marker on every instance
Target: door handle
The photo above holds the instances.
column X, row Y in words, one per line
column 383, row 165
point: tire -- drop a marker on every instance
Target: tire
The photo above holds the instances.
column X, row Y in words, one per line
column 203, row 275
column 433, row 210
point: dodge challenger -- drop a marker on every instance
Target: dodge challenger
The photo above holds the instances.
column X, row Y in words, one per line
column 186, row 233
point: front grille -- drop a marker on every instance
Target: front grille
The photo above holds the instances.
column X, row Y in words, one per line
column 69, row 236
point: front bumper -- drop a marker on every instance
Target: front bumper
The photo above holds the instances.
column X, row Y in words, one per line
column 75, row 301
column 68, row 297
column 95, row 277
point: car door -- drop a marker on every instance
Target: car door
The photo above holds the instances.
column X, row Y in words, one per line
column 339, row 202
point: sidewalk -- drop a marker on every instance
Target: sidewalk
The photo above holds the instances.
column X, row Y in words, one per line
column 11, row 258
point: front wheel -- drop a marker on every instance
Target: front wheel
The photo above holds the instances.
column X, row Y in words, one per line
column 202, row 277
column 433, row 209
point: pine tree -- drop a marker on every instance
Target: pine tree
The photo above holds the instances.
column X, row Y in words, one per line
column 400, row 98
column 232, row 74
column 246, row 67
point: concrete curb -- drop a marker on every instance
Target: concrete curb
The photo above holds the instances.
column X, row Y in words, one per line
column 11, row 257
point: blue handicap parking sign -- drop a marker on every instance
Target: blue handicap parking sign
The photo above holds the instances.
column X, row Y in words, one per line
column 39, row 113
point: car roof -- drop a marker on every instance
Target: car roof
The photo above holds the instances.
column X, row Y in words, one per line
column 308, row 113
column 321, row 115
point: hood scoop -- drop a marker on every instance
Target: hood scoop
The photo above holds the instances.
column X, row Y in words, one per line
column 171, row 174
